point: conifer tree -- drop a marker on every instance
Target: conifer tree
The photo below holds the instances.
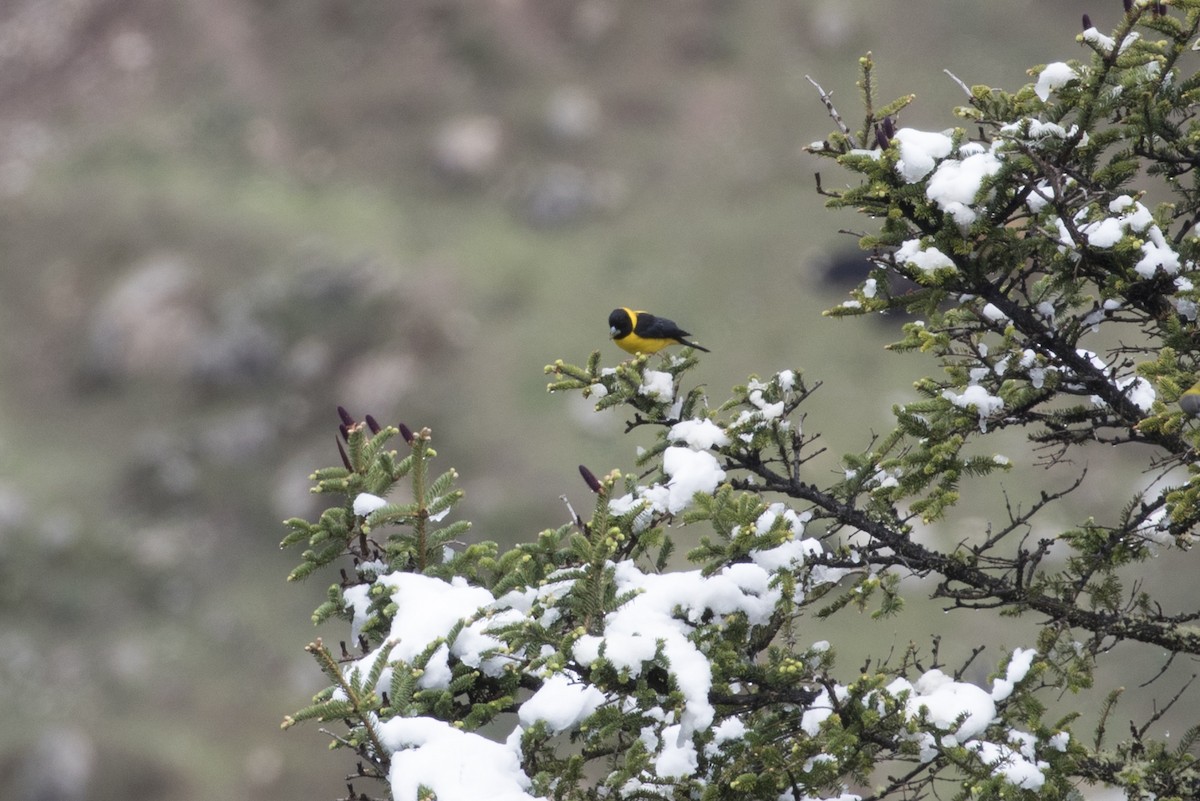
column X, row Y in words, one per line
column 1049, row 249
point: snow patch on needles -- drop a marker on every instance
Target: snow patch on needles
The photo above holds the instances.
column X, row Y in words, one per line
column 1036, row 132
column 955, row 185
column 455, row 765
column 964, row 712
column 1018, row 667
column 770, row 411
column 1052, row 77
column 956, row 182
column 1108, row 232
column 1137, row 389
column 365, row 503
column 944, row 701
column 1157, row 255
column 1018, row 768
column 1131, row 218
column 1184, row 306
column 699, row 435
column 658, row 385
column 627, row 503
column 985, row 404
column 993, row 313
column 793, row 521
column 820, row 710
column 929, row 260
column 561, row 703
column 426, row 608
column 793, row 551
column 1105, row 44
column 656, row 627
column 919, row 152
column 688, row 472
column 1042, row 193
column 765, row 413
column 662, row 615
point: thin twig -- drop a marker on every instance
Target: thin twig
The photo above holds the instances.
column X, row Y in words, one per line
column 1158, row 713
column 827, row 99
column 959, row 81
column 1166, row 666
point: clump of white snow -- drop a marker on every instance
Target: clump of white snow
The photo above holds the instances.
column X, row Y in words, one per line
column 985, row 404
column 926, row 259
column 365, row 503
column 1052, row 77
column 945, row 702
column 665, row 610
column 955, row 185
column 1138, row 390
column 919, row 152
column 993, row 313
column 454, row 764
column 560, row 704
column 688, row 472
column 698, row 434
column 1106, row 43
column 426, row 608
column 658, row 385
column 1018, row 667
column 1017, row 767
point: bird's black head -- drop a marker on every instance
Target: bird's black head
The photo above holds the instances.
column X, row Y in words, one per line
column 620, row 324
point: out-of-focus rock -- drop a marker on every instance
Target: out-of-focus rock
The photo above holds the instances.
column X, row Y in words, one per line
column 162, row 471
column 290, row 490
column 593, row 21
column 68, row 764
column 560, row 194
column 323, row 280
column 563, row 194
column 237, row 351
column 14, row 509
column 150, row 322
column 467, row 149
column 59, row 767
column 58, row 531
column 237, row 436
column 572, row 114
column 832, row 25
column 131, row 50
column 308, row 360
column 376, row 382
column 263, row 766
column 24, row 145
column 159, row 321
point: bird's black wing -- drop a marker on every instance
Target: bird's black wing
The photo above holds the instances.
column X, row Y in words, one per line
column 651, row 327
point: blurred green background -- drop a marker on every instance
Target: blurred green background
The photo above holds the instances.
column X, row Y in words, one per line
column 221, row 218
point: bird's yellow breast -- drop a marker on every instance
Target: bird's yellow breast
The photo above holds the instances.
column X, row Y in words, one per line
column 632, row 343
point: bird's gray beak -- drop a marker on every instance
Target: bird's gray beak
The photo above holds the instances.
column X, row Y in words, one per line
column 612, row 331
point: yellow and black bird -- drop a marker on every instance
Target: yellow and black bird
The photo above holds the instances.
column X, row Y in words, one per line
column 1189, row 401
column 642, row 332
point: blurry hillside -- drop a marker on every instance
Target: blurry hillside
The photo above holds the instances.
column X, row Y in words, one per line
column 221, row 218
